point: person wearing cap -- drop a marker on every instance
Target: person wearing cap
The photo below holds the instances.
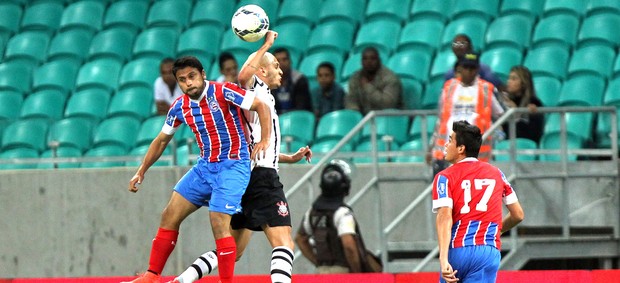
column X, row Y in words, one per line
column 328, row 230
column 461, row 45
column 465, row 97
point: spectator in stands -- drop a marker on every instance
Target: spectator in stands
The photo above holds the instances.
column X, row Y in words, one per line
column 329, row 95
column 229, row 69
column 461, row 44
column 374, row 87
column 468, row 98
column 520, row 93
column 294, row 93
column 165, row 87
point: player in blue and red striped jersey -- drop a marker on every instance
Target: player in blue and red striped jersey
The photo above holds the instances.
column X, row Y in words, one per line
column 213, row 112
column 467, row 198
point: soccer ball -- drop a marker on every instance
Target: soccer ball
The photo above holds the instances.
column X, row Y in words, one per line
column 250, row 23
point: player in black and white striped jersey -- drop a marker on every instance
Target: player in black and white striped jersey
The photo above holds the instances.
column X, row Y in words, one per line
column 264, row 204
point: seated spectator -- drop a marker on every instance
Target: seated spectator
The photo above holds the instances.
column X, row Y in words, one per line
column 374, row 87
column 329, row 95
column 294, row 93
column 229, row 69
column 520, row 93
column 461, row 44
column 165, row 87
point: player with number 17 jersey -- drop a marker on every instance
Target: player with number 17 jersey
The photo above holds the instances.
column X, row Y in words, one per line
column 472, row 189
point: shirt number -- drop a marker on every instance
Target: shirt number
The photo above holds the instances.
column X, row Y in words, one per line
column 479, row 184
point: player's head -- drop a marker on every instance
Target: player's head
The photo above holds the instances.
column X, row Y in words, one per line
column 461, row 44
column 371, row 61
column 465, row 141
column 165, row 71
column 228, row 66
column 336, row 179
column 325, row 75
column 284, row 57
column 268, row 69
column 190, row 75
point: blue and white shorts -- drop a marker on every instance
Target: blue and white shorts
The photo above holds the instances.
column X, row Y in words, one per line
column 475, row 264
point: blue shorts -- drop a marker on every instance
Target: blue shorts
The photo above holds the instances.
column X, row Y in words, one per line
column 475, row 264
column 218, row 185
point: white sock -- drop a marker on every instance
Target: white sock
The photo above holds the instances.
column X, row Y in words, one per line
column 203, row 265
column 281, row 264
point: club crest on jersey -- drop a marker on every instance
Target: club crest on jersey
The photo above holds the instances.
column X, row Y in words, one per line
column 213, row 105
column 282, row 208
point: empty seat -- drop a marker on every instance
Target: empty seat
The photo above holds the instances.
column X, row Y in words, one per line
column 42, row 16
column 350, row 11
column 26, row 133
column 593, row 59
column 412, row 93
column 91, row 104
column 71, row 45
column 102, row 73
column 238, row 48
column 547, row 89
column 119, row 131
column 204, row 13
column 332, row 35
column 192, row 42
column 382, row 34
column 310, row 63
column 432, row 92
column 351, row 65
column 440, row 10
column 553, row 142
column 150, row 128
column 139, row 73
column 411, row 64
column 602, row 134
column 112, row 43
column 10, row 16
column 57, row 75
column 321, row 148
column 612, row 95
column 530, row 8
column 520, row 144
column 10, row 106
column 71, row 132
column 298, row 125
column 387, row 10
column 126, row 14
column 135, row 102
column 171, row 13
column 602, row 6
column 414, row 152
column 573, row 90
column 294, row 37
column 419, row 127
column 306, row 12
column 571, row 7
column 61, row 152
column 421, row 33
column 474, row 27
column 84, row 15
column 367, row 147
column 556, row 30
column 484, row 9
column 501, row 60
column 15, row 77
column 28, row 48
column 442, row 62
column 616, row 68
column 45, row 104
column 336, row 124
column 104, row 151
column 155, row 42
column 512, row 31
column 548, row 60
column 393, row 126
column 599, row 29
column 20, row 152
column 140, row 151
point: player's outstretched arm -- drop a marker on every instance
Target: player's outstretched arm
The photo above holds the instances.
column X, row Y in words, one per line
column 301, row 153
column 515, row 216
column 252, row 65
column 157, row 147
column 264, row 116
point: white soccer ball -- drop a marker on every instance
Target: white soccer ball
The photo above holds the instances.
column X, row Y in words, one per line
column 250, row 23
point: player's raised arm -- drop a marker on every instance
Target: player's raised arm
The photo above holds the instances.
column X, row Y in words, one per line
column 253, row 63
column 157, row 147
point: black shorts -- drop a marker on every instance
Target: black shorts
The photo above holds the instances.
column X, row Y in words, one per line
column 263, row 202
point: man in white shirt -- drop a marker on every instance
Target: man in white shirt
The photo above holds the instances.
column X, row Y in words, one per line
column 165, row 87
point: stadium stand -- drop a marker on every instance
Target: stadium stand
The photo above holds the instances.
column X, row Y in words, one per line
column 387, row 10
column 42, row 16
column 290, row 126
column 126, row 14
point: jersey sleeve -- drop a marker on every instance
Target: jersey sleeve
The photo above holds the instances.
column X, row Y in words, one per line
column 172, row 122
column 441, row 195
column 344, row 221
column 238, row 96
column 509, row 195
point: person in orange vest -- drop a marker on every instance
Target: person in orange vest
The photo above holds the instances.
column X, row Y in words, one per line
column 465, row 97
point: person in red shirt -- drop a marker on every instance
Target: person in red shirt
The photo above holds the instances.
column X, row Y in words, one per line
column 467, row 198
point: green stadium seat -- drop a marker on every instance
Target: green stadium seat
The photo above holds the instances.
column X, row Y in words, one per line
column 333, row 35
column 596, row 7
column 382, row 34
column 10, row 16
column 520, row 144
column 411, row 148
column 350, row 11
column 484, row 9
column 310, row 63
column 612, row 95
column 45, row 104
column 547, row 89
column 602, row 133
column 28, row 48
column 337, row 124
column 173, row 14
column 553, row 142
column 141, row 151
column 112, row 43
column 120, row 131
column 440, row 10
column 192, row 42
column 416, row 131
column 139, row 73
column 203, row 14
column 126, row 14
column 71, row 132
column 10, row 105
column 501, row 60
column 238, row 48
column 594, row 59
column 15, row 77
column 412, row 93
column 26, row 133
column 298, row 125
column 600, row 29
column 91, row 104
column 351, row 65
column 402, row 64
column 571, row 7
column 366, row 147
column 42, row 16
column 271, row 7
column 530, row 8
column 155, row 42
column 509, row 31
column 20, row 152
column 556, row 30
column 306, row 12
column 84, row 15
column 321, row 148
column 57, row 75
column 293, row 36
column 150, row 128
column 183, row 154
column 101, row 73
column 432, row 92
column 387, row 10
column 421, row 33
column 474, row 27
column 104, row 151
column 442, row 62
column 62, row 152
column 548, row 60
column 71, row 46
column 394, row 126
column 135, row 102
column 573, row 90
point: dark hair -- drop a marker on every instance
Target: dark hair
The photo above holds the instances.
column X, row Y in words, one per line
column 282, row 50
column 469, row 136
column 186, row 61
column 525, row 76
column 464, row 36
column 371, row 49
column 327, row 65
column 225, row 56
column 166, row 61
